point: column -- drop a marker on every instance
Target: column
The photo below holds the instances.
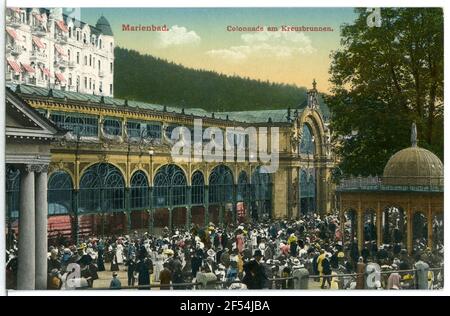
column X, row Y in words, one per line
column 189, row 208
column 127, row 227
column 75, row 215
column 206, row 191
column 27, row 264
column 170, row 220
column 409, row 232
column 41, row 228
column 430, row 228
column 379, row 226
column 188, row 218
column 360, row 229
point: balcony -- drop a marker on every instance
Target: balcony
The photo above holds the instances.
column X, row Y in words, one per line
column 61, row 39
column 14, row 50
column 37, row 82
column 61, row 63
column 11, row 77
column 38, row 31
column 71, row 64
column 38, row 56
column 101, row 74
column 13, row 22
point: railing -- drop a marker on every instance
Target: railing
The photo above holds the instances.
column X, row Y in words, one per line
column 297, row 285
column 14, row 49
column 37, row 55
column 61, row 39
column 39, row 31
column 13, row 21
column 376, row 183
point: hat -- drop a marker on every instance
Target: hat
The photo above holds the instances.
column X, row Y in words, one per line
column 114, row 274
column 257, row 253
column 82, row 246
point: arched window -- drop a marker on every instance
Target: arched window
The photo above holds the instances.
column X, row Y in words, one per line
column 307, row 141
column 221, row 185
column 243, row 187
column 59, row 193
column 307, row 191
column 102, row 189
column 261, row 193
column 139, row 191
column 197, row 188
column 111, row 126
column 261, row 185
column 169, row 187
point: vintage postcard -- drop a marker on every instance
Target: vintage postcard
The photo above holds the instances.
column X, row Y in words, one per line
column 224, row 148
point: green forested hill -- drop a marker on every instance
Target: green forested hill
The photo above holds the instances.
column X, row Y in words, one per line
column 149, row 79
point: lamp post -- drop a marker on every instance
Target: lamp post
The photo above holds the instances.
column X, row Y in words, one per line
column 150, row 220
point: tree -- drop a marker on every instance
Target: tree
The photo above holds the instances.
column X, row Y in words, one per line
column 383, row 79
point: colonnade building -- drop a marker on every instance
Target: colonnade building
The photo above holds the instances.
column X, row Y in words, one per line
column 112, row 170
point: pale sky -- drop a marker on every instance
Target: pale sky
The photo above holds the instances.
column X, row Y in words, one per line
column 198, row 38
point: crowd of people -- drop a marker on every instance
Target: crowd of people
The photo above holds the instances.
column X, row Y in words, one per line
column 270, row 254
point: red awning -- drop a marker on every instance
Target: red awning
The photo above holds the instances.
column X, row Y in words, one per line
column 28, row 68
column 15, row 66
column 46, row 71
column 62, row 26
column 12, row 33
column 38, row 42
column 60, row 50
column 18, row 10
column 60, row 77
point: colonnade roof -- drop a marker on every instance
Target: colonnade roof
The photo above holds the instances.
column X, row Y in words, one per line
column 260, row 116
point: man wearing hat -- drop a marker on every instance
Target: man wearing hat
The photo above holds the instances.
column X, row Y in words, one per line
column 255, row 276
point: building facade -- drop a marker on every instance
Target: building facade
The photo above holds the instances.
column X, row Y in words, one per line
column 46, row 48
column 113, row 170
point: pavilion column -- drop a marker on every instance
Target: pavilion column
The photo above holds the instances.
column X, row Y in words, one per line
column 41, row 228
column 409, row 232
column 430, row 229
column 360, row 229
column 379, row 220
column 27, row 250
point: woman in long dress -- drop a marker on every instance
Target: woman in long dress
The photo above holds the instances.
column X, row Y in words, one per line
column 119, row 253
column 159, row 261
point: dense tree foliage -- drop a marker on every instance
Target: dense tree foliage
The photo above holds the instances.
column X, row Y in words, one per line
column 149, row 79
column 384, row 78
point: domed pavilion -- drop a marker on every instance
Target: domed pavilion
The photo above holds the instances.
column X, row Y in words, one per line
column 404, row 206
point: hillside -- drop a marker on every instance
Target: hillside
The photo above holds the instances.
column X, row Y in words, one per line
column 149, row 79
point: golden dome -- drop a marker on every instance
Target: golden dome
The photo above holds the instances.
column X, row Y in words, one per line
column 414, row 166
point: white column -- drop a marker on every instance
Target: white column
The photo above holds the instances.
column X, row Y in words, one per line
column 26, row 261
column 41, row 229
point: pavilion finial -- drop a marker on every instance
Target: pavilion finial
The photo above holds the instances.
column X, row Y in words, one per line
column 414, row 135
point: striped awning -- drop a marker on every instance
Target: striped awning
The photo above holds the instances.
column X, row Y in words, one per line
column 15, row 66
column 12, row 33
column 60, row 77
column 62, row 26
column 38, row 42
column 17, row 10
column 28, row 68
column 46, row 71
column 60, row 50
